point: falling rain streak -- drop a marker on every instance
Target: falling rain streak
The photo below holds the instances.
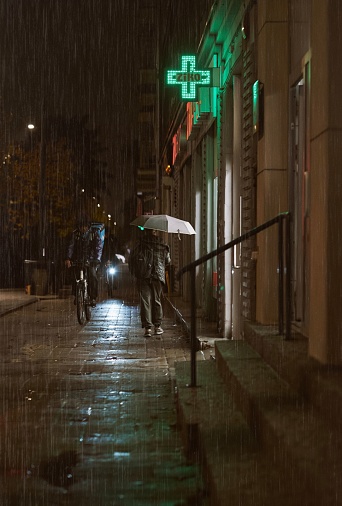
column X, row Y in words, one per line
column 88, row 414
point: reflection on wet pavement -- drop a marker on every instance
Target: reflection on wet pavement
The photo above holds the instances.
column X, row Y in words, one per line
column 88, row 413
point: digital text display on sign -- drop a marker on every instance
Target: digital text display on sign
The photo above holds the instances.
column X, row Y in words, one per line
column 189, row 78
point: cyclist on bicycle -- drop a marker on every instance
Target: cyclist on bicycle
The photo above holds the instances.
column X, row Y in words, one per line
column 86, row 246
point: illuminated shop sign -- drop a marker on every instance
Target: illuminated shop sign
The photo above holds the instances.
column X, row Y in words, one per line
column 189, row 78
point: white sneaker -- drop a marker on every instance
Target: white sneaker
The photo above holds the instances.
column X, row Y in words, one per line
column 158, row 330
column 148, row 332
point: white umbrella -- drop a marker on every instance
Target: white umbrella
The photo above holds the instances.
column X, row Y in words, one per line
column 164, row 223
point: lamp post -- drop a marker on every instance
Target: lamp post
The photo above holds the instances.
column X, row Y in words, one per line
column 40, row 275
column 41, row 189
column 42, row 185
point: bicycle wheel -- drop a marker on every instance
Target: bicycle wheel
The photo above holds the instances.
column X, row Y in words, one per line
column 80, row 304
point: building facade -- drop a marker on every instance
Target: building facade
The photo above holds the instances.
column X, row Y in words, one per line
column 264, row 140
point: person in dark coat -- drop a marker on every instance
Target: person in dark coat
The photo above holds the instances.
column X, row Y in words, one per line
column 110, row 259
column 86, row 246
column 110, row 249
column 150, row 289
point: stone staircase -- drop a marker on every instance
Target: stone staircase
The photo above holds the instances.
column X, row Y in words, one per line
column 263, row 423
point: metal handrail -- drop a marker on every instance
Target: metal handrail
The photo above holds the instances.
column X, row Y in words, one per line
column 280, row 218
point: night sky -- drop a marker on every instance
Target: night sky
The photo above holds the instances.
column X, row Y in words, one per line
column 80, row 57
column 77, row 56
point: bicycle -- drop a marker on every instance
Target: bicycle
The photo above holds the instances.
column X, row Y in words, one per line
column 83, row 303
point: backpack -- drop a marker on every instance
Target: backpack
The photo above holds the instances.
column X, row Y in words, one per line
column 98, row 229
column 141, row 261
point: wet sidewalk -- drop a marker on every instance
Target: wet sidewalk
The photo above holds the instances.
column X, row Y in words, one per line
column 88, row 413
column 12, row 299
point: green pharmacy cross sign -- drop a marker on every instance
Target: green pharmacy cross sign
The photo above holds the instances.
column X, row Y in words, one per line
column 189, row 78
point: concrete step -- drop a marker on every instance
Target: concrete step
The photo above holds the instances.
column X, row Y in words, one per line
column 320, row 385
column 291, row 431
column 236, row 468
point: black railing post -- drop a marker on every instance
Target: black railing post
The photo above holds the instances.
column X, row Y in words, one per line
column 193, row 326
column 282, row 251
column 281, row 278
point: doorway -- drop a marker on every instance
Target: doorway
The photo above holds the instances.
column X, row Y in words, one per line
column 236, row 208
column 299, row 196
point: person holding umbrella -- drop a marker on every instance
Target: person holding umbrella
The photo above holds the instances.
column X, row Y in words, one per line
column 150, row 283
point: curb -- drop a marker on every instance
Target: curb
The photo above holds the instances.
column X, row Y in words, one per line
column 19, row 305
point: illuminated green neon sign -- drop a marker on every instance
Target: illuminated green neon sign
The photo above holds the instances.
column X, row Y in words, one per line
column 189, row 78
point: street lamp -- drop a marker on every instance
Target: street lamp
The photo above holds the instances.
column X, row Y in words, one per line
column 41, row 274
column 42, row 184
column 41, row 187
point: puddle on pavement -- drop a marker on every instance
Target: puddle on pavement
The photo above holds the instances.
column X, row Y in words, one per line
column 58, row 470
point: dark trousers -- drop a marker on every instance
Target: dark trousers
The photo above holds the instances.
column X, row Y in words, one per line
column 151, row 309
column 93, row 282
